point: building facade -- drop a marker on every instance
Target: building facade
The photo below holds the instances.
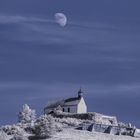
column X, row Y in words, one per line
column 70, row 105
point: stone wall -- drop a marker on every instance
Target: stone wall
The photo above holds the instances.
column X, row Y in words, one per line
column 92, row 116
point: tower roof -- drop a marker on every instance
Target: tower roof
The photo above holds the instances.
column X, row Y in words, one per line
column 80, row 93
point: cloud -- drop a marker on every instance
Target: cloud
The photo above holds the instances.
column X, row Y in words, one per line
column 72, row 88
column 71, row 54
column 19, row 19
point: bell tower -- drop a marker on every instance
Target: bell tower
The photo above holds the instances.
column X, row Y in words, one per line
column 80, row 93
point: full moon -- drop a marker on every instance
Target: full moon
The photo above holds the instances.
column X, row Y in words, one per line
column 61, row 19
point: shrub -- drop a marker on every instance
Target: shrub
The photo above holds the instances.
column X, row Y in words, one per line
column 19, row 137
column 27, row 115
column 45, row 126
column 3, row 135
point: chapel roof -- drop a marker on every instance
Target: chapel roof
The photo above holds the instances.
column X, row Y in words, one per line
column 72, row 99
column 68, row 101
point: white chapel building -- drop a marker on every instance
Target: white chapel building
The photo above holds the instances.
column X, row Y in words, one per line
column 70, row 105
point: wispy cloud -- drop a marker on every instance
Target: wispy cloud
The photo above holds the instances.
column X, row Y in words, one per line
column 72, row 88
column 19, row 19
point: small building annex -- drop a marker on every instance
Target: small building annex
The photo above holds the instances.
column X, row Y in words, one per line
column 70, row 105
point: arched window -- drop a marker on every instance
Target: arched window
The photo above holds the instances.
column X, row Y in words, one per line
column 68, row 109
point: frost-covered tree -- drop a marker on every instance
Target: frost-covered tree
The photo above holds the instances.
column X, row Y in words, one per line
column 3, row 135
column 45, row 126
column 13, row 130
column 27, row 115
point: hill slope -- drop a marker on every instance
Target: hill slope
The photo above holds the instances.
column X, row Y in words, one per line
column 71, row 134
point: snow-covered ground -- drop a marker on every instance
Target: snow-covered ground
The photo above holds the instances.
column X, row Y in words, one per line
column 71, row 134
column 57, row 128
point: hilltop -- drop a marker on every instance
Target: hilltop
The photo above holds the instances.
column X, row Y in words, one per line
column 60, row 126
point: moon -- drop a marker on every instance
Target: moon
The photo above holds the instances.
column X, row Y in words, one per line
column 61, row 19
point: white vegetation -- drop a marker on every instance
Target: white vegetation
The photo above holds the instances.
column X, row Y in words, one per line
column 45, row 127
column 19, row 137
column 27, row 115
column 48, row 127
column 3, row 135
column 13, row 129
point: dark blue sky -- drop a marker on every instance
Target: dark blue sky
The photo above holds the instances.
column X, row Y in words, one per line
column 98, row 50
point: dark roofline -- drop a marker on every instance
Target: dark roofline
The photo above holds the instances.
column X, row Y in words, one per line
column 72, row 99
column 56, row 104
column 62, row 102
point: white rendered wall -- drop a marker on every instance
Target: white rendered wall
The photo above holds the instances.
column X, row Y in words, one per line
column 73, row 109
column 82, row 107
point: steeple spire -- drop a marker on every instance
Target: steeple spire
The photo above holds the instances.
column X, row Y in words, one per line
column 80, row 93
